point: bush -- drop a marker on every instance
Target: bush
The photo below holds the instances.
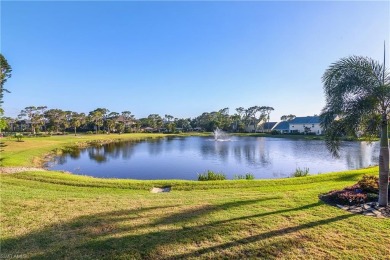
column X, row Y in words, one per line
column 372, row 197
column 249, row 176
column 369, row 184
column 89, row 132
column 348, row 196
column 301, row 172
column 275, row 132
column 238, row 177
column 18, row 137
column 366, row 190
column 211, row 176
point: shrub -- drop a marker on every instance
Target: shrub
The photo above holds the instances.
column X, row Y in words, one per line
column 249, row 176
column 301, row 172
column 372, row 197
column 275, row 132
column 18, row 137
column 369, row 184
column 238, row 177
column 89, row 132
column 348, row 196
column 211, row 176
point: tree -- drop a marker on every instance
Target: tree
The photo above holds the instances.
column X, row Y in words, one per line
column 155, row 121
column 184, row 123
column 76, row 120
column 3, row 121
column 168, row 118
column 287, row 117
column 97, row 117
column 120, row 127
column 357, row 91
column 265, row 112
column 128, row 120
column 65, row 123
column 111, row 121
column 56, row 118
column 35, row 115
column 5, row 73
column 42, row 110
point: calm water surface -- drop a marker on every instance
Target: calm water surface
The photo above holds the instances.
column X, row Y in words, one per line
column 184, row 158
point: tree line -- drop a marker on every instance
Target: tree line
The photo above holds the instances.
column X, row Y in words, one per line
column 101, row 120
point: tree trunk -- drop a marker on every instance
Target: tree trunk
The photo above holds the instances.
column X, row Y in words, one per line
column 384, row 164
column 75, row 131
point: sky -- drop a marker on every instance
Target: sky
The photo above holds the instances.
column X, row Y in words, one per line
column 183, row 58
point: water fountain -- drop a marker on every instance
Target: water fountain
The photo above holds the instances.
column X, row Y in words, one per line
column 220, row 135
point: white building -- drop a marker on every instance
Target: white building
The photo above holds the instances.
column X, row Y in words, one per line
column 308, row 124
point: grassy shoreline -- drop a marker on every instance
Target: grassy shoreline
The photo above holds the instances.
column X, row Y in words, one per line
column 35, row 151
column 54, row 215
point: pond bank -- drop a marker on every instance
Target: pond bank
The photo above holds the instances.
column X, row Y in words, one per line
column 10, row 170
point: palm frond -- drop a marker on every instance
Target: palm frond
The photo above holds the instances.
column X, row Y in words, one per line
column 355, row 94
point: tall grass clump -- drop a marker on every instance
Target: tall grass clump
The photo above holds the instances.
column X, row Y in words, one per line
column 248, row 176
column 211, row 176
column 301, row 172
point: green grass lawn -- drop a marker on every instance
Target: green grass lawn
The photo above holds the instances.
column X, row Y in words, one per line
column 53, row 215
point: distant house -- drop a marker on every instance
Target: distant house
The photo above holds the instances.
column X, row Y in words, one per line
column 308, row 124
column 282, row 127
column 148, row 129
column 126, row 122
column 266, row 127
column 257, row 126
column 21, row 125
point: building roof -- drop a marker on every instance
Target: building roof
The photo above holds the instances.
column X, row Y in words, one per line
column 306, row 120
column 282, row 126
column 269, row 125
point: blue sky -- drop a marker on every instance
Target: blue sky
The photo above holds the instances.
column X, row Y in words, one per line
column 182, row 58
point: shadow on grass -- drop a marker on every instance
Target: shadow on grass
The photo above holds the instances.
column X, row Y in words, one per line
column 158, row 232
column 2, row 146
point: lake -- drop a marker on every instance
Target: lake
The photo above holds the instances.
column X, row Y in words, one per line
column 185, row 157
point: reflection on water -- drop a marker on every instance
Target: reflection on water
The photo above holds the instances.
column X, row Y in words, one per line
column 183, row 158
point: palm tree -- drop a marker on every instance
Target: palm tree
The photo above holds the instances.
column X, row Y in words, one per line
column 357, row 91
column 97, row 117
column 76, row 120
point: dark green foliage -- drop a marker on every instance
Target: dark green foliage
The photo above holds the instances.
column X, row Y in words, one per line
column 238, row 177
column 369, row 184
column 211, row 176
column 366, row 190
column 356, row 94
column 18, row 137
column 5, row 73
column 301, row 172
column 248, row 176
